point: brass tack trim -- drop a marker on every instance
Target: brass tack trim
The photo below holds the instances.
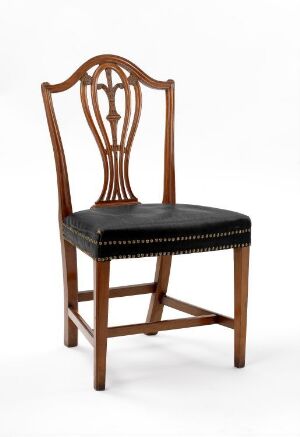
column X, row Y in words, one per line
column 85, row 237
column 155, row 240
column 181, row 238
column 177, row 252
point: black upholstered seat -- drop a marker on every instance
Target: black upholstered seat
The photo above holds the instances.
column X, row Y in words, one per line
column 141, row 230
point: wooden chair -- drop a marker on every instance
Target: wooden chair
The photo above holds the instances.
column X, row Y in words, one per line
column 119, row 227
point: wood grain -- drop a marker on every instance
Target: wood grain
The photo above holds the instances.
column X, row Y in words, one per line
column 101, row 298
column 82, row 325
column 115, row 151
column 196, row 311
column 125, row 290
column 69, row 260
column 114, row 139
column 162, row 325
column 162, row 274
column 241, row 271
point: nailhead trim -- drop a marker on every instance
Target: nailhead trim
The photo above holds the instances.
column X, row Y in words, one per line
column 80, row 234
column 158, row 240
column 79, row 248
column 178, row 252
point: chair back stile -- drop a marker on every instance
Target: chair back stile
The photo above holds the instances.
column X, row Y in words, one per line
column 114, row 149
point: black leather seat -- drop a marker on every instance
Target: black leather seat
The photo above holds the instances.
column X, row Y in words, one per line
column 142, row 230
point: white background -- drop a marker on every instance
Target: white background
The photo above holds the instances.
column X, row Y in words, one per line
column 236, row 65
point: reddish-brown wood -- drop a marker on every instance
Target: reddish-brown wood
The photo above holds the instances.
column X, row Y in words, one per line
column 101, row 297
column 162, row 274
column 82, row 325
column 185, row 307
column 169, row 168
column 162, row 325
column 115, row 145
column 126, row 290
column 115, row 152
column 241, row 270
column 102, row 59
column 70, row 291
column 64, row 197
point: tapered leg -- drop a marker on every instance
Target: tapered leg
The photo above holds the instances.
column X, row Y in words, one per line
column 101, row 297
column 241, row 269
column 162, row 274
column 70, row 291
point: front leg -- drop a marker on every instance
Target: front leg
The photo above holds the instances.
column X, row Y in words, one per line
column 241, row 270
column 69, row 259
column 101, row 298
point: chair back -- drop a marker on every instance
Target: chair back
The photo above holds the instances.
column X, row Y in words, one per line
column 115, row 138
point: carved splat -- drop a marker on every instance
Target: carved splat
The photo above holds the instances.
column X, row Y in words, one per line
column 115, row 149
column 115, row 142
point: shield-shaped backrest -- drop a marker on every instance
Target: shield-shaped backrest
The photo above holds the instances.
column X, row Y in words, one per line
column 102, row 77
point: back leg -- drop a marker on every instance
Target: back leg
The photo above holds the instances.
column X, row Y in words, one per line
column 162, row 274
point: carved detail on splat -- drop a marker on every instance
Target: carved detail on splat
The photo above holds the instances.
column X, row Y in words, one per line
column 86, row 79
column 115, row 152
column 113, row 117
column 133, row 80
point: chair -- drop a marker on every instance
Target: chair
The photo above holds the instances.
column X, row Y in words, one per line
column 118, row 226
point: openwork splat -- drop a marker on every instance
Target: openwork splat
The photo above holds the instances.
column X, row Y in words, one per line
column 105, row 79
column 114, row 147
